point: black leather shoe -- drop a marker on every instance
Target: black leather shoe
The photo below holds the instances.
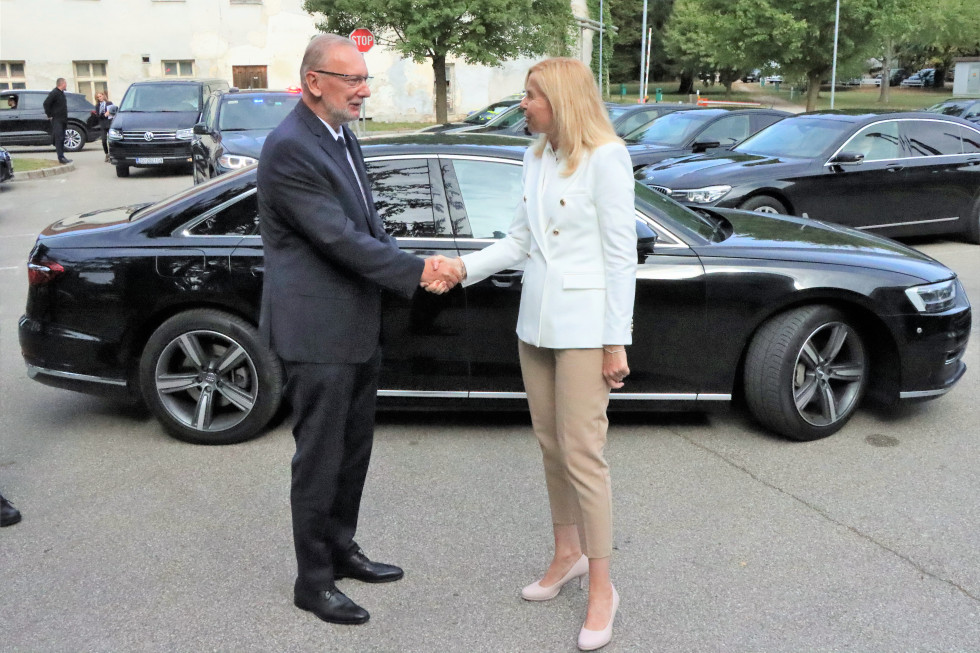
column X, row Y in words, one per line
column 8, row 514
column 331, row 605
column 359, row 567
column 64, row 162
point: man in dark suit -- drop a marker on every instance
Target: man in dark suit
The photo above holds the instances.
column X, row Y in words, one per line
column 56, row 109
column 327, row 257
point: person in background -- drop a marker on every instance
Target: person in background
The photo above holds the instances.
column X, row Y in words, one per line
column 56, row 109
column 574, row 232
column 102, row 105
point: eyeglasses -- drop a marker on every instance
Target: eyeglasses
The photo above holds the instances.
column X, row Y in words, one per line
column 351, row 80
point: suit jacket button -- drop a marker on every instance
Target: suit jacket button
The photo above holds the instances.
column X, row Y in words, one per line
column 562, row 201
column 555, row 232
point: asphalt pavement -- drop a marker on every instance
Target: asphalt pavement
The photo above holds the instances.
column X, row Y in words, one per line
column 727, row 538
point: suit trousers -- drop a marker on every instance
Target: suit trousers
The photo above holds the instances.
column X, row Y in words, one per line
column 58, row 136
column 568, row 398
column 334, row 407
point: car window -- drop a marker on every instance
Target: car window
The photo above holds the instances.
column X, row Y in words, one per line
column 805, row 137
column 208, row 116
column 970, row 139
column 932, row 137
column 78, row 102
column 162, row 97
column 254, row 112
column 727, row 131
column 876, row 142
column 972, row 112
column 949, row 108
column 403, row 198
column 8, row 101
column 31, row 102
column 489, row 206
column 672, row 129
column 240, row 217
column 634, row 121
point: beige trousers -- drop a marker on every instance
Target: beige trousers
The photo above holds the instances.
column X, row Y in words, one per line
column 568, row 399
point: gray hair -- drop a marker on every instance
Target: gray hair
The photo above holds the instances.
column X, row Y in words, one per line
column 317, row 51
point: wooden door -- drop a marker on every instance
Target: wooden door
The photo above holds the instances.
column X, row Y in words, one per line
column 249, row 76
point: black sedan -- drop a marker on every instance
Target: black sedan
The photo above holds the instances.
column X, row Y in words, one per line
column 801, row 318
column 6, row 165
column 966, row 108
column 899, row 174
column 233, row 128
column 696, row 130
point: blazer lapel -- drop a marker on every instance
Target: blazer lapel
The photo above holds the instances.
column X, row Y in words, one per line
column 374, row 221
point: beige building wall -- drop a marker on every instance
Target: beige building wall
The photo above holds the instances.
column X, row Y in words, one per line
column 49, row 35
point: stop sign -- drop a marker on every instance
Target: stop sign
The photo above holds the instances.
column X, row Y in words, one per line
column 362, row 38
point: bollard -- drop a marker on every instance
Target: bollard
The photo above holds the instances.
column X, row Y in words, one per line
column 622, row 90
column 660, row 95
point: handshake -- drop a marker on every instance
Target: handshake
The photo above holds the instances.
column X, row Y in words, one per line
column 441, row 274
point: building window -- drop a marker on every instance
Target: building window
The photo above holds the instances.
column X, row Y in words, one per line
column 91, row 78
column 178, row 68
column 12, row 75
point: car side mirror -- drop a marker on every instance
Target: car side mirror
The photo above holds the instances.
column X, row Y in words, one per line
column 201, row 129
column 702, row 146
column 113, row 109
column 847, row 158
column 645, row 247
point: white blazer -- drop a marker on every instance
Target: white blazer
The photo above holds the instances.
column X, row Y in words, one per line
column 577, row 238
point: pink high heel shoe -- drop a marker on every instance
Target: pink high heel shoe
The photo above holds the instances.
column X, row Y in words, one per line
column 590, row 640
column 536, row 592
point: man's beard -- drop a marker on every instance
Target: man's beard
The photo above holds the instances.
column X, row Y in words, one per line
column 340, row 116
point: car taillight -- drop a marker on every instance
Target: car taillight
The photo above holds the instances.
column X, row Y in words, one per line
column 42, row 270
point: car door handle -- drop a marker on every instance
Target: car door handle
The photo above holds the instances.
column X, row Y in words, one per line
column 506, row 278
column 256, row 270
column 894, row 168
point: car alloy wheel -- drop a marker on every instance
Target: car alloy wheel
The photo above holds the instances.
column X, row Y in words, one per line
column 806, row 372
column 74, row 139
column 208, row 378
column 764, row 204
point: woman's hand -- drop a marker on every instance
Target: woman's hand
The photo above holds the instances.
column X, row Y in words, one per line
column 614, row 367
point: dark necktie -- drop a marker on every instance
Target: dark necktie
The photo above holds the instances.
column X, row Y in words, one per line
column 341, row 144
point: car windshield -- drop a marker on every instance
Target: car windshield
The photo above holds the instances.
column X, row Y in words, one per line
column 662, row 205
column 949, row 108
column 488, row 113
column 672, row 129
column 795, row 138
column 255, row 112
column 507, row 118
column 162, row 97
column 617, row 111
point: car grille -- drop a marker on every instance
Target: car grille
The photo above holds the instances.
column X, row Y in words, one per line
column 152, row 148
column 663, row 190
column 162, row 135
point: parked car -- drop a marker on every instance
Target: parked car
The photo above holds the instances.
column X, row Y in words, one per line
column 922, row 78
column 752, row 76
column 23, row 121
column 966, row 108
column 6, row 165
column 233, row 128
column 898, row 174
column 695, row 131
column 509, row 122
column 477, row 118
column 895, row 77
column 803, row 319
column 154, row 124
column 627, row 118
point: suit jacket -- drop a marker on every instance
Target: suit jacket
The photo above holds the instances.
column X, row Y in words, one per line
column 56, row 105
column 577, row 238
column 327, row 255
column 103, row 122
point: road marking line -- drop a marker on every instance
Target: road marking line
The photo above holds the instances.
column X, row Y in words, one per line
column 15, row 267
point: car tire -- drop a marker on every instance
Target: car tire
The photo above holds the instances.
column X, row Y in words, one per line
column 208, row 378
column 806, row 372
column 122, row 171
column 972, row 231
column 75, row 137
column 764, row 204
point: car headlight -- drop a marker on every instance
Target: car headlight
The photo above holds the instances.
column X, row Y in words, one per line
column 933, row 297
column 115, row 134
column 701, row 195
column 185, row 134
column 234, row 161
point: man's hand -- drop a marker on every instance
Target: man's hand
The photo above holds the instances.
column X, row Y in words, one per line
column 441, row 274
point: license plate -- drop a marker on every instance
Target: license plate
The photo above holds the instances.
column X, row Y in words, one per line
column 149, row 160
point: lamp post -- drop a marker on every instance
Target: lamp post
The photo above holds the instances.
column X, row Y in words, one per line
column 833, row 74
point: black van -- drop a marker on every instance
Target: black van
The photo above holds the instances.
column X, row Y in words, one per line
column 154, row 124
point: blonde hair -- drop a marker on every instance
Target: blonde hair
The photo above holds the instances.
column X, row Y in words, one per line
column 580, row 118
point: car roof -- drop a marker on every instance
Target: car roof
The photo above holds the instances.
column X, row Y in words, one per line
column 860, row 116
column 254, row 91
column 490, row 144
column 178, row 80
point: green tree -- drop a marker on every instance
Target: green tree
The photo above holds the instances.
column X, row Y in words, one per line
column 479, row 33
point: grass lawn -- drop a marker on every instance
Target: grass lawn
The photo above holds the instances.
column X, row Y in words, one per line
column 867, row 98
column 26, row 165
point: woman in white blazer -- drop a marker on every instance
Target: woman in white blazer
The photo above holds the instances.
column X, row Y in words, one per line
column 574, row 231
